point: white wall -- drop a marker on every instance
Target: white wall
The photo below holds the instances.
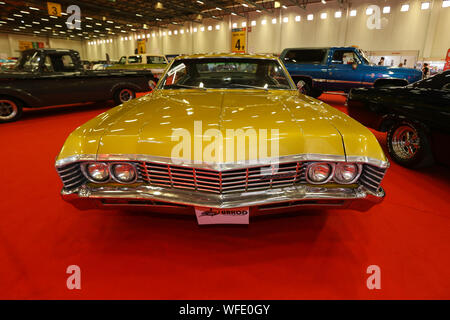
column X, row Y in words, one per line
column 9, row 43
column 423, row 31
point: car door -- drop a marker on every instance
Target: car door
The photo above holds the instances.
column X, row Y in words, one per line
column 309, row 63
column 343, row 73
column 59, row 82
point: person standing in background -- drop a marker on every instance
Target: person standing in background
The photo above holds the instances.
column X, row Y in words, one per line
column 381, row 63
column 425, row 71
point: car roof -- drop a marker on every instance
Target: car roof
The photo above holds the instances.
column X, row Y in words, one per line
column 226, row 55
column 320, row 48
column 50, row 50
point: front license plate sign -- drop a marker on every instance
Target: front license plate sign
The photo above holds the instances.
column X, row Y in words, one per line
column 207, row 215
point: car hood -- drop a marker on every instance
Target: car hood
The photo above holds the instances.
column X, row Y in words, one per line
column 155, row 124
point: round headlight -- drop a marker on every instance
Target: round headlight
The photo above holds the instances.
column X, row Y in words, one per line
column 97, row 172
column 123, row 172
column 319, row 172
column 346, row 172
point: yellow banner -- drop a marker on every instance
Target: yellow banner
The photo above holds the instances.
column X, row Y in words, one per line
column 25, row 45
column 142, row 48
column 239, row 40
column 54, row 9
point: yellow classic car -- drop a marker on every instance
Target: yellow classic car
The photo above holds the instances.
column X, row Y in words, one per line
column 225, row 136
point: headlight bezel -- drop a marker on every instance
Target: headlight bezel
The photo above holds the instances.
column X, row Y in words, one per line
column 328, row 179
column 355, row 178
column 85, row 171
column 332, row 177
column 110, row 170
column 116, row 179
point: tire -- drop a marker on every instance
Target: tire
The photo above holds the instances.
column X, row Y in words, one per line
column 10, row 109
column 123, row 95
column 408, row 145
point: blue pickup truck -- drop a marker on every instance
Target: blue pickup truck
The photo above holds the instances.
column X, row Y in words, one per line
column 316, row 70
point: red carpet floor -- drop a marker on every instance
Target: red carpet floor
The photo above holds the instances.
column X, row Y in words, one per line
column 134, row 255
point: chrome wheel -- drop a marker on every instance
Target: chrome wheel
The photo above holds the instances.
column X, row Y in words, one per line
column 405, row 142
column 8, row 109
column 125, row 95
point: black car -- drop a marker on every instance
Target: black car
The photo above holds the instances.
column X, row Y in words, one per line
column 416, row 117
column 47, row 77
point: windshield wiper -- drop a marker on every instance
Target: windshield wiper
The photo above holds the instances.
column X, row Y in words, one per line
column 247, row 86
column 186, row 86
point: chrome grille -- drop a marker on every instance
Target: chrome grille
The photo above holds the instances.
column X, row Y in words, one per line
column 229, row 181
column 371, row 177
column 71, row 175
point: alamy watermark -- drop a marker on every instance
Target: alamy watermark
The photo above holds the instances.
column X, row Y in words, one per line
column 74, row 280
column 246, row 146
column 374, row 280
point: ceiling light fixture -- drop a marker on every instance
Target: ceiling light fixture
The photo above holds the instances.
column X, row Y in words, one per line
column 425, row 6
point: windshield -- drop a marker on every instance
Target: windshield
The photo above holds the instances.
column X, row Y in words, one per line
column 29, row 62
column 156, row 60
column 364, row 56
column 226, row 73
column 134, row 59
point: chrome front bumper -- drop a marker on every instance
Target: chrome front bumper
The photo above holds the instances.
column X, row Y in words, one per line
column 183, row 201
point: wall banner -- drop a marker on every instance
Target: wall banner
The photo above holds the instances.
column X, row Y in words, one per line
column 239, row 40
column 141, row 46
column 25, row 45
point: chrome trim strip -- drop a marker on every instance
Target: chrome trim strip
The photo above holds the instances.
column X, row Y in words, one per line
column 232, row 200
column 344, row 81
column 222, row 166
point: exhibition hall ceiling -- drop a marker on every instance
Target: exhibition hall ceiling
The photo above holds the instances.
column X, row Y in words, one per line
column 102, row 18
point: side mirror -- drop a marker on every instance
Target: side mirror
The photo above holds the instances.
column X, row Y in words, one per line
column 354, row 66
column 301, row 86
column 152, row 84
